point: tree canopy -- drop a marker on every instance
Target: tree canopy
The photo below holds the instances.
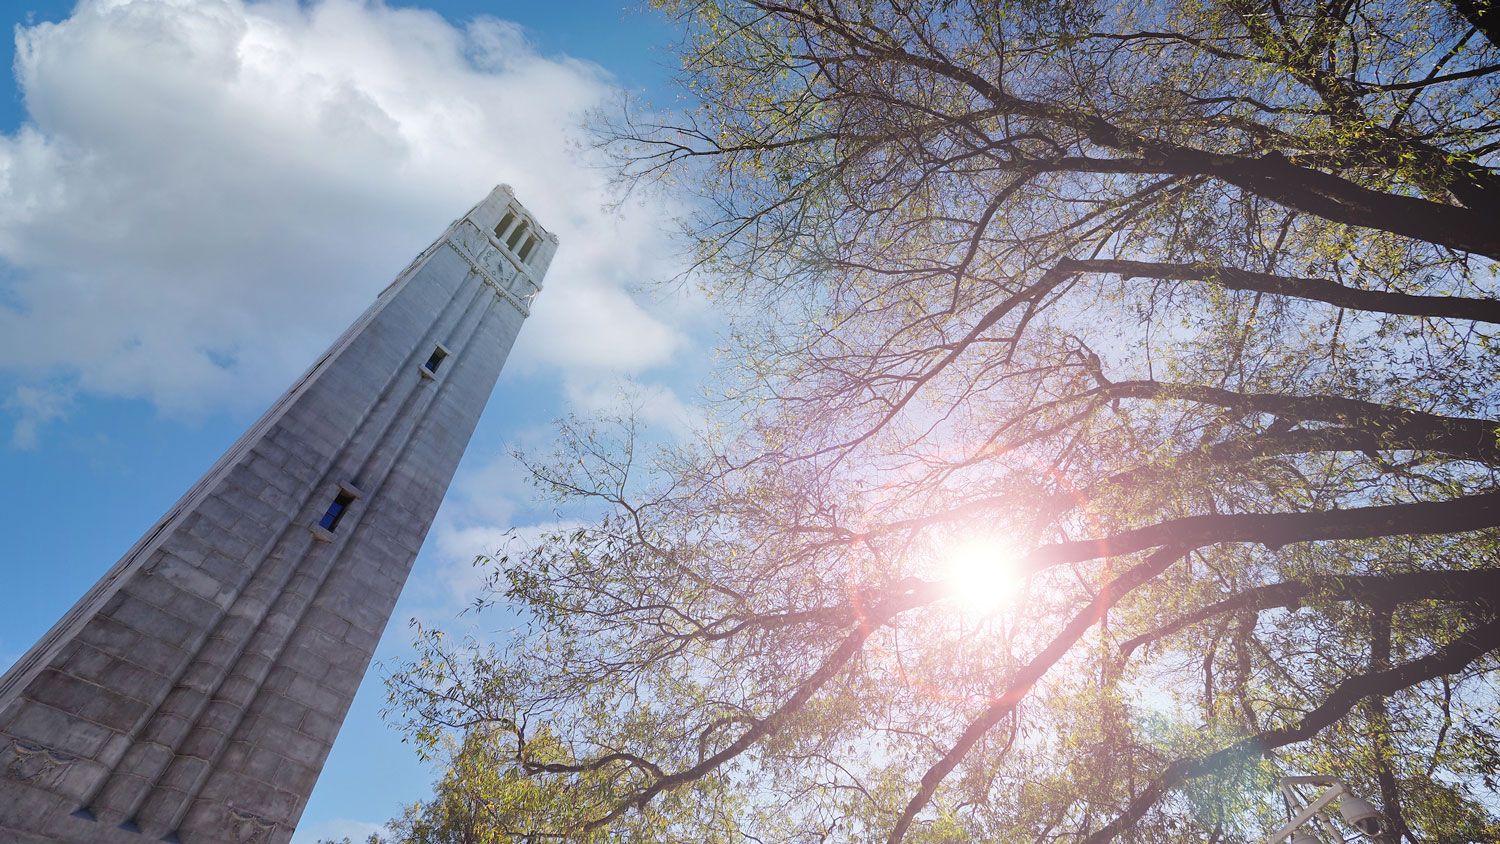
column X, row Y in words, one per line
column 1109, row 427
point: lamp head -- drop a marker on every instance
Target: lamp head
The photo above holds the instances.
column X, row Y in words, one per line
column 1362, row 815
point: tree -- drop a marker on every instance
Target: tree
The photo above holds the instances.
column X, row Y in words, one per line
column 1180, row 318
column 480, row 798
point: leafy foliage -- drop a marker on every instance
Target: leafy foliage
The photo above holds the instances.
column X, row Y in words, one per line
column 1182, row 314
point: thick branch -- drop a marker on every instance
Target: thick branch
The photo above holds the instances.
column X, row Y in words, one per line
column 1221, row 454
column 1239, row 450
column 1469, row 437
column 1315, row 289
column 1464, row 586
column 1483, row 15
column 1473, row 512
column 1271, row 176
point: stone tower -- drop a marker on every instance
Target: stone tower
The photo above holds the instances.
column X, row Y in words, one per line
column 193, row 693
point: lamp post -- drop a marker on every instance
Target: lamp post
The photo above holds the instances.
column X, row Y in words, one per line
column 1302, row 828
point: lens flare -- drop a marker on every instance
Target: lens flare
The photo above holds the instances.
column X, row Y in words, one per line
column 983, row 575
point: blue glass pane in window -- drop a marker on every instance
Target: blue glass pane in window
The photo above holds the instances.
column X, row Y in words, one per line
column 331, row 517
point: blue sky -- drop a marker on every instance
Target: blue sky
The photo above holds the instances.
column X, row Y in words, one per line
column 197, row 195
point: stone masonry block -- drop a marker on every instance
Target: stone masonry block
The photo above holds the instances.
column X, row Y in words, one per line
column 189, row 577
column 197, row 611
column 279, row 680
column 169, row 729
column 102, row 706
column 310, row 694
column 326, row 622
column 117, row 640
column 51, row 727
column 184, row 773
column 222, row 717
column 262, row 764
column 281, row 710
column 318, row 726
column 202, row 743
column 153, row 622
column 95, row 666
column 296, row 777
column 25, row 803
column 308, row 752
column 343, row 681
column 215, row 510
column 237, row 689
column 305, row 661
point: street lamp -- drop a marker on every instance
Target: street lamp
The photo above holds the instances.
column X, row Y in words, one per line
column 1302, row 828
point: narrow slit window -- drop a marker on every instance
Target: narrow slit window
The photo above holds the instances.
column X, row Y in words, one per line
column 510, row 217
column 336, row 511
column 515, row 237
column 435, row 360
column 526, row 248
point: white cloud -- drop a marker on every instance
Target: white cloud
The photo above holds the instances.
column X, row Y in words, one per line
column 656, row 405
column 457, row 581
column 33, row 408
column 208, row 190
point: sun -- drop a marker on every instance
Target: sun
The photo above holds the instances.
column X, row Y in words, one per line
column 983, row 575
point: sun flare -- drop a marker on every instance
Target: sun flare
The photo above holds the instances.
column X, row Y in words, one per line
column 983, row 575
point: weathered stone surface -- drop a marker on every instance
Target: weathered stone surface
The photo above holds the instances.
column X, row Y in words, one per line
column 195, row 691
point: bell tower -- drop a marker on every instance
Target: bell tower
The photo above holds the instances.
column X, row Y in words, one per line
column 193, row 693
